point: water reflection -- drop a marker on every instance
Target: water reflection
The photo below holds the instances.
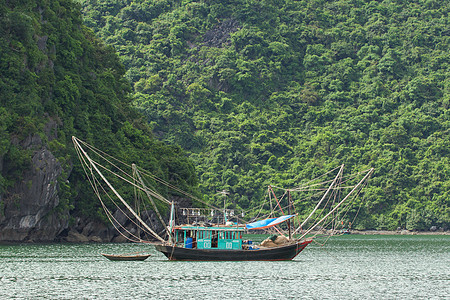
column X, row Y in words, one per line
column 347, row 267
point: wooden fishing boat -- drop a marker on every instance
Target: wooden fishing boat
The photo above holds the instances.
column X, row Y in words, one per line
column 215, row 238
column 126, row 257
column 285, row 252
column 225, row 243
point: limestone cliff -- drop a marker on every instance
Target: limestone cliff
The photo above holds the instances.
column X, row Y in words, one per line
column 30, row 206
column 57, row 80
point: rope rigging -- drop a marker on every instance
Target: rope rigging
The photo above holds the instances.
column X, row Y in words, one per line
column 330, row 192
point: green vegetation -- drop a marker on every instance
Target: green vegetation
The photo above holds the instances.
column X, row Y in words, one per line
column 58, row 80
column 274, row 92
column 256, row 92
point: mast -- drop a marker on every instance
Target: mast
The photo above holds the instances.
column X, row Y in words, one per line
column 270, row 200
column 225, row 193
column 91, row 162
column 323, row 197
column 339, row 204
column 289, row 212
column 224, row 210
column 171, row 222
column 136, row 172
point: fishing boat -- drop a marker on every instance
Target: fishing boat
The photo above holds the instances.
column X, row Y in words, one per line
column 127, row 257
column 210, row 233
column 221, row 243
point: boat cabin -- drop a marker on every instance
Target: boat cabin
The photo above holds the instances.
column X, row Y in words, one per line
column 214, row 237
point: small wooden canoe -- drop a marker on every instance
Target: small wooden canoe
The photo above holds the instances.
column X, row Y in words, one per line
column 126, row 257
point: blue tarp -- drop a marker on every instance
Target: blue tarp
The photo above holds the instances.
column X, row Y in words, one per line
column 268, row 222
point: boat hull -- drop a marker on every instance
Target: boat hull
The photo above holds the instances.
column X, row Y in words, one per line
column 126, row 257
column 266, row 254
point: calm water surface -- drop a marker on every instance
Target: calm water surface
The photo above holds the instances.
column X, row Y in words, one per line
column 347, row 267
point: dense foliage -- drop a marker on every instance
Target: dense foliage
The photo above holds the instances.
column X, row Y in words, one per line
column 55, row 71
column 276, row 91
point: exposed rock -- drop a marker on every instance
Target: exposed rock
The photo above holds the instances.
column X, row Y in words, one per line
column 219, row 35
column 119, row 239
column 120, row 217
column 97, row 229
column 76, row 237
column 42, row 42
column 30, row 207
column 1, row 168
column 29, row 211
column 95, row 239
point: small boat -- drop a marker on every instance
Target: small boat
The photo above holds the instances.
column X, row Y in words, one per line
column 126, row 257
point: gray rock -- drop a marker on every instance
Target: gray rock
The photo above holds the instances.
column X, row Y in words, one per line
column 119, row 239
column 95, row 239
column 76, row 237
column 29, row 212
column 220, row 34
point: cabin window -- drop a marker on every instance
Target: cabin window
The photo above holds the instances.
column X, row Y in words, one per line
column 180, row 235
column 214, row 239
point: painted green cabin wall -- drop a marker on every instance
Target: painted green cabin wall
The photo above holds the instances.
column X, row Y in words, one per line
column 227, row 239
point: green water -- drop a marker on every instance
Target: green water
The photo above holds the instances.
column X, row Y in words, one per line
column 347, row 267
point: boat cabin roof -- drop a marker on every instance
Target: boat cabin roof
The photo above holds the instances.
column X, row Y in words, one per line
column 214, row 227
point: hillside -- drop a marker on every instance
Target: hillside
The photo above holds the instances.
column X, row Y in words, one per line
column 275, row 92
column 58, row 80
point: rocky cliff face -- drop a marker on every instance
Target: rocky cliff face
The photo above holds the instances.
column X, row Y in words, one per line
column 30, row 207
column 31, row 210
column 57, row 78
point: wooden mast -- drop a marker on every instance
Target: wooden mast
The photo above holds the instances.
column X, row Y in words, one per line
column 323, row 197
column 91, row 162
column 136, row 172
column 289, row 212
column 337, row 206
